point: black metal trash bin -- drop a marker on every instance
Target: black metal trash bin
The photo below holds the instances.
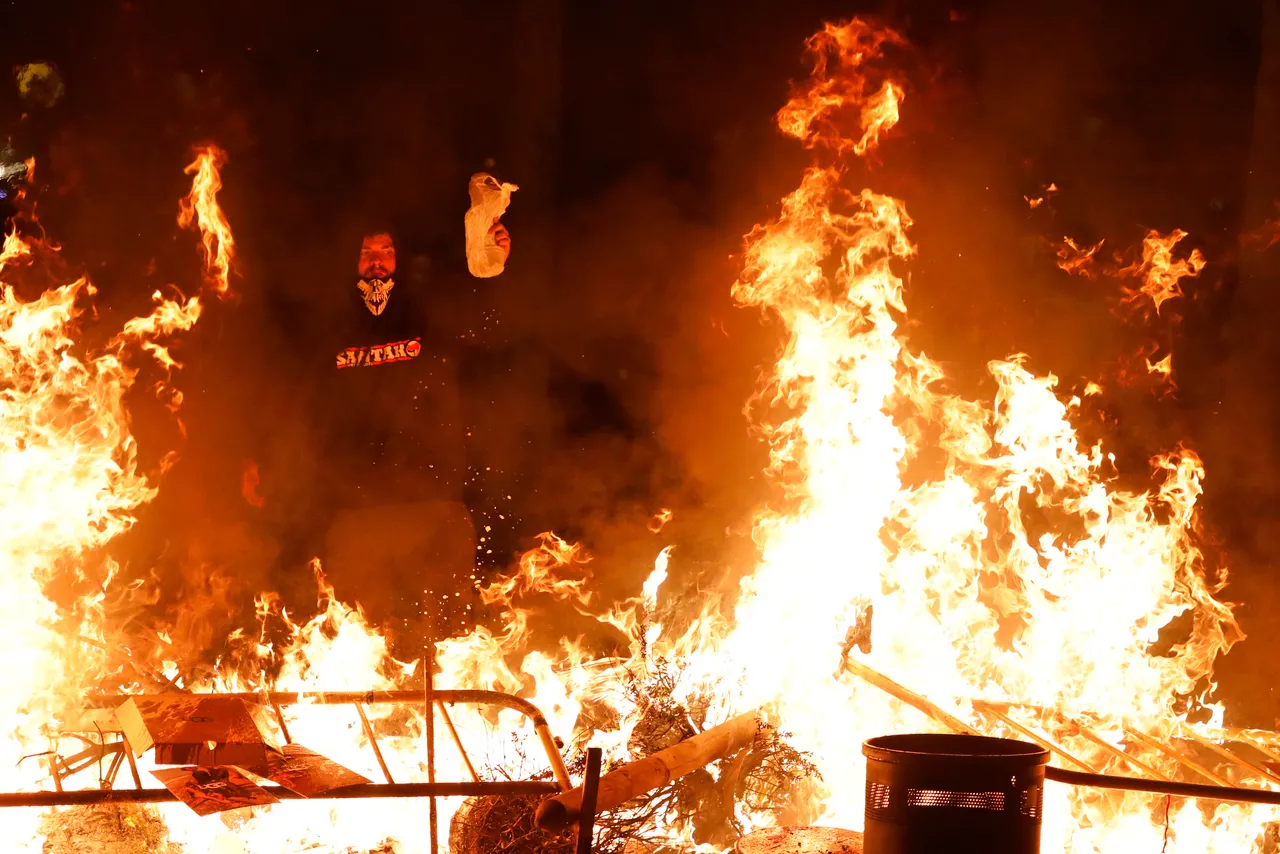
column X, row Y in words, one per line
column 929, row 794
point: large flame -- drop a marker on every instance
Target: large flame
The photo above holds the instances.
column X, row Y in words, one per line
column 69, row 483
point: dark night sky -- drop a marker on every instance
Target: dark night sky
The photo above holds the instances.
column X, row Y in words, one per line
column 641, row 135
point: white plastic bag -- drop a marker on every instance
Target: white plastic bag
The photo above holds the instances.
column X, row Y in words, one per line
column 489, row 201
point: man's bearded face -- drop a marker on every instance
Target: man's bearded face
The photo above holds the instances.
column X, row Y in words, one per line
column 377, row 257
column 377, row 264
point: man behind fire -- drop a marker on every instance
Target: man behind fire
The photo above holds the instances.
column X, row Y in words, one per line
column 393, row 457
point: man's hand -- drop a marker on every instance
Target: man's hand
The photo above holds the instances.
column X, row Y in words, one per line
column 501, row 236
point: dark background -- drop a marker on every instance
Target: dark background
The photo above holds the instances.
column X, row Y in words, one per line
column 614, row 365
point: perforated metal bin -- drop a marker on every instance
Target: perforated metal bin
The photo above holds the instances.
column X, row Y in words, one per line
column 929, row 794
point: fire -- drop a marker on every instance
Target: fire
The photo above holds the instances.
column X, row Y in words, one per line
column 971, row 549
column 69, row 483
column 1159, row 276
column 200, row 209
column 839, row 83
column 1160, row 273
column 1263, row 237
column 1049, row 190
column 1076, row 259
column 1012, row 568
column 659, row 520
column 1162, row 367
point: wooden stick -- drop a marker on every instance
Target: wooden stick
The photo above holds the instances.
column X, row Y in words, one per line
column 133, row 765
column 884, row 683
column 635, row 778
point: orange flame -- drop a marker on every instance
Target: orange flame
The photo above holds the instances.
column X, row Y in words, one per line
column 1040, row 200
column 838, row 82
column 200, row 209
column 1263, row 237
column 1076, row 259
column 68, row 484
column 1162, row 367
column 1160, row 273
column 659, row 520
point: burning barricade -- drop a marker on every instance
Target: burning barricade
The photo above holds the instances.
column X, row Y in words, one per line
column 932, row 563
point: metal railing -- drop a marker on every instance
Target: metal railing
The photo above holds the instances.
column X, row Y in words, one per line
column 107, row 745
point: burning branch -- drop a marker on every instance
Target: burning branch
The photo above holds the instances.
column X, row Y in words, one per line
column 636, row 778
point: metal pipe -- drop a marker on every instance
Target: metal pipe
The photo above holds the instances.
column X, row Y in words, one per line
column 373, row 741
column 429, row 689
column 457, row 740
column 86, row 797
column 338, row 698
column 1158, row 787
column 590, row 789
column 553, row 754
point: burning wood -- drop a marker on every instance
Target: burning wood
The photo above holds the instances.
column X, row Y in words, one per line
column 801, row 840
column 636, row 778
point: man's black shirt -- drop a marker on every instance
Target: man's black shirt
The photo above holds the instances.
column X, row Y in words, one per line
column 385, row 403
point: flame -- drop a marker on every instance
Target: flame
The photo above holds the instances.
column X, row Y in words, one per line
column 1263, row 237
column 69, row 483
column 1076, row 259
column 839, row 84
column 1162, row 368
column 1160, row 273
column 200, row 209
column 1014, row 568
column 1049, row 190
column 659, row 520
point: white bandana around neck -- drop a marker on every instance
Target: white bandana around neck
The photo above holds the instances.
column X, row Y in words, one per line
column 376, row 293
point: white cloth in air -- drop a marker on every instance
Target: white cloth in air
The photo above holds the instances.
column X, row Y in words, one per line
column 489, row 201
